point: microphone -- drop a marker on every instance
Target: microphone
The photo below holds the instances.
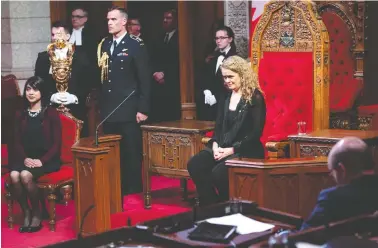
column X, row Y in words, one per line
column 110, row 114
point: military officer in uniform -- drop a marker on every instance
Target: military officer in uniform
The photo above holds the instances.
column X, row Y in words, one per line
column 123, row 62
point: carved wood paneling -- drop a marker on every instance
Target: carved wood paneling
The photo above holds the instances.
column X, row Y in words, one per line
column 246, row 186
column 315, row 182
column 314, row 150
column 283, row 192
column 168, row 151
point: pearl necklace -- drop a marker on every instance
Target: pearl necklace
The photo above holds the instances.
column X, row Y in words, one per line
column 34, row 114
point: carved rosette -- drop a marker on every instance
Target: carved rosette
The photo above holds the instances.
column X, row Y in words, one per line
column 314, row 151
column 237, row 18
column 294, row 26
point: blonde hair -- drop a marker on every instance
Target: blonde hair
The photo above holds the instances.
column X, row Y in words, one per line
column 248, row 79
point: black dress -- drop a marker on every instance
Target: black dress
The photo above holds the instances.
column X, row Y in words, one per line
column 34, row 147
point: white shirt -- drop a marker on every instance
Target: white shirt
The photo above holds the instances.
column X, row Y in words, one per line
column 60, row 54
column 118, row 40
column 221, row 57
column 76, row 36
column 170, row 34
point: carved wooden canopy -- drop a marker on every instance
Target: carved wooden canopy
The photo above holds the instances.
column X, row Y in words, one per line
column 295, row 26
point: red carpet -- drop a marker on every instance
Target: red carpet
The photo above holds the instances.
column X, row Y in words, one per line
column 166, row 200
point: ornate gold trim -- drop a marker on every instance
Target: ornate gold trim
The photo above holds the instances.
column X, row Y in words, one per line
column 295, row 26
column 79, row 123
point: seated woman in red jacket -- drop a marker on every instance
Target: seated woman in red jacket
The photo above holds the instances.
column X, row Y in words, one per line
column 238, row 129
column 38, row 136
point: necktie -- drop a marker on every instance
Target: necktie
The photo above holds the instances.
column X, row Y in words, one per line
column 113, row 47
column 166, row 38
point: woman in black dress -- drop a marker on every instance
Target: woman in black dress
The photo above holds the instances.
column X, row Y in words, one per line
column 239, row 126
column 38, row 136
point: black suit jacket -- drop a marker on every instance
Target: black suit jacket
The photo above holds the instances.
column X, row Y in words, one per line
column 81, row 80
column 341, row 202
column 214, row 80
column 128, row 70
column 166, row 97
column 89, row 45
column 244, row 136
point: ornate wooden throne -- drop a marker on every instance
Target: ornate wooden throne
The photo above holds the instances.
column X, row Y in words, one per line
column 290, row 53
column 345, row 24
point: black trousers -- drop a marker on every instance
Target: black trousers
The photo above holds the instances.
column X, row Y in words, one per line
column 208, row 175
column 130, row 154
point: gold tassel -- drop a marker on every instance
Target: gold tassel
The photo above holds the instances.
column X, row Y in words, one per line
column 102, row 61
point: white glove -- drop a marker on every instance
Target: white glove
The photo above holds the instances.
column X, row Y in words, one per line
column 64, row 98
column 209, row 98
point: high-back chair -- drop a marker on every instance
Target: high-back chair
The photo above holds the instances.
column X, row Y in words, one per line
column 344, row 22
column 10, row 102
column 61, row 180
column 290, row 54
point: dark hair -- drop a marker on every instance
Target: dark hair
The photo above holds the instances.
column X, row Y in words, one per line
column 81, row 8
column 60, row 24
column 173, row 13
column 230, row 33
column 134, row 19
column 36, row 83
column 120, row 9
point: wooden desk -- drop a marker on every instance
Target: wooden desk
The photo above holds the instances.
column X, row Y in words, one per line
column 167, row 147
column 319, row 143
column 289, row 185
column 185, row 221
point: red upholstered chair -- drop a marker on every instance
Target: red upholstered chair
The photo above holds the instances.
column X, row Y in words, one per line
column 10, row 103
column 61, row 180
column 290, row 56
column 346, row 60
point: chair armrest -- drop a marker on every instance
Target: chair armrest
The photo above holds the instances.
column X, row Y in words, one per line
column 205, row 140
column 278, row 149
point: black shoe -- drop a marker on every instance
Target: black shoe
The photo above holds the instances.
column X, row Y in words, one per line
column 32, row 229
column 23, row 229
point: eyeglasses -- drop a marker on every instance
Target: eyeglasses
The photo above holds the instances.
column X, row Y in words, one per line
column 221, row 38
column 77, row 16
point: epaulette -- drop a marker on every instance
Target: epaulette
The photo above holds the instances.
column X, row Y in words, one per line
column 140, row 41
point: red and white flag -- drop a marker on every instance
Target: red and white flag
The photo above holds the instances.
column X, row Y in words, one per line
column 256, row 12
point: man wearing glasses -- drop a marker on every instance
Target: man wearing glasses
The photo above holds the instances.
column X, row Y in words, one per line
column 81, row 36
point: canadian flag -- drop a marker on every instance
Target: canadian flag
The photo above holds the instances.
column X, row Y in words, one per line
column 256, row 11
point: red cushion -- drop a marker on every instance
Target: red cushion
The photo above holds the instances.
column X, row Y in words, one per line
column 287, row 81
column 68, row 139
column 65, row 173
column 209, row 134
column 344, row 88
